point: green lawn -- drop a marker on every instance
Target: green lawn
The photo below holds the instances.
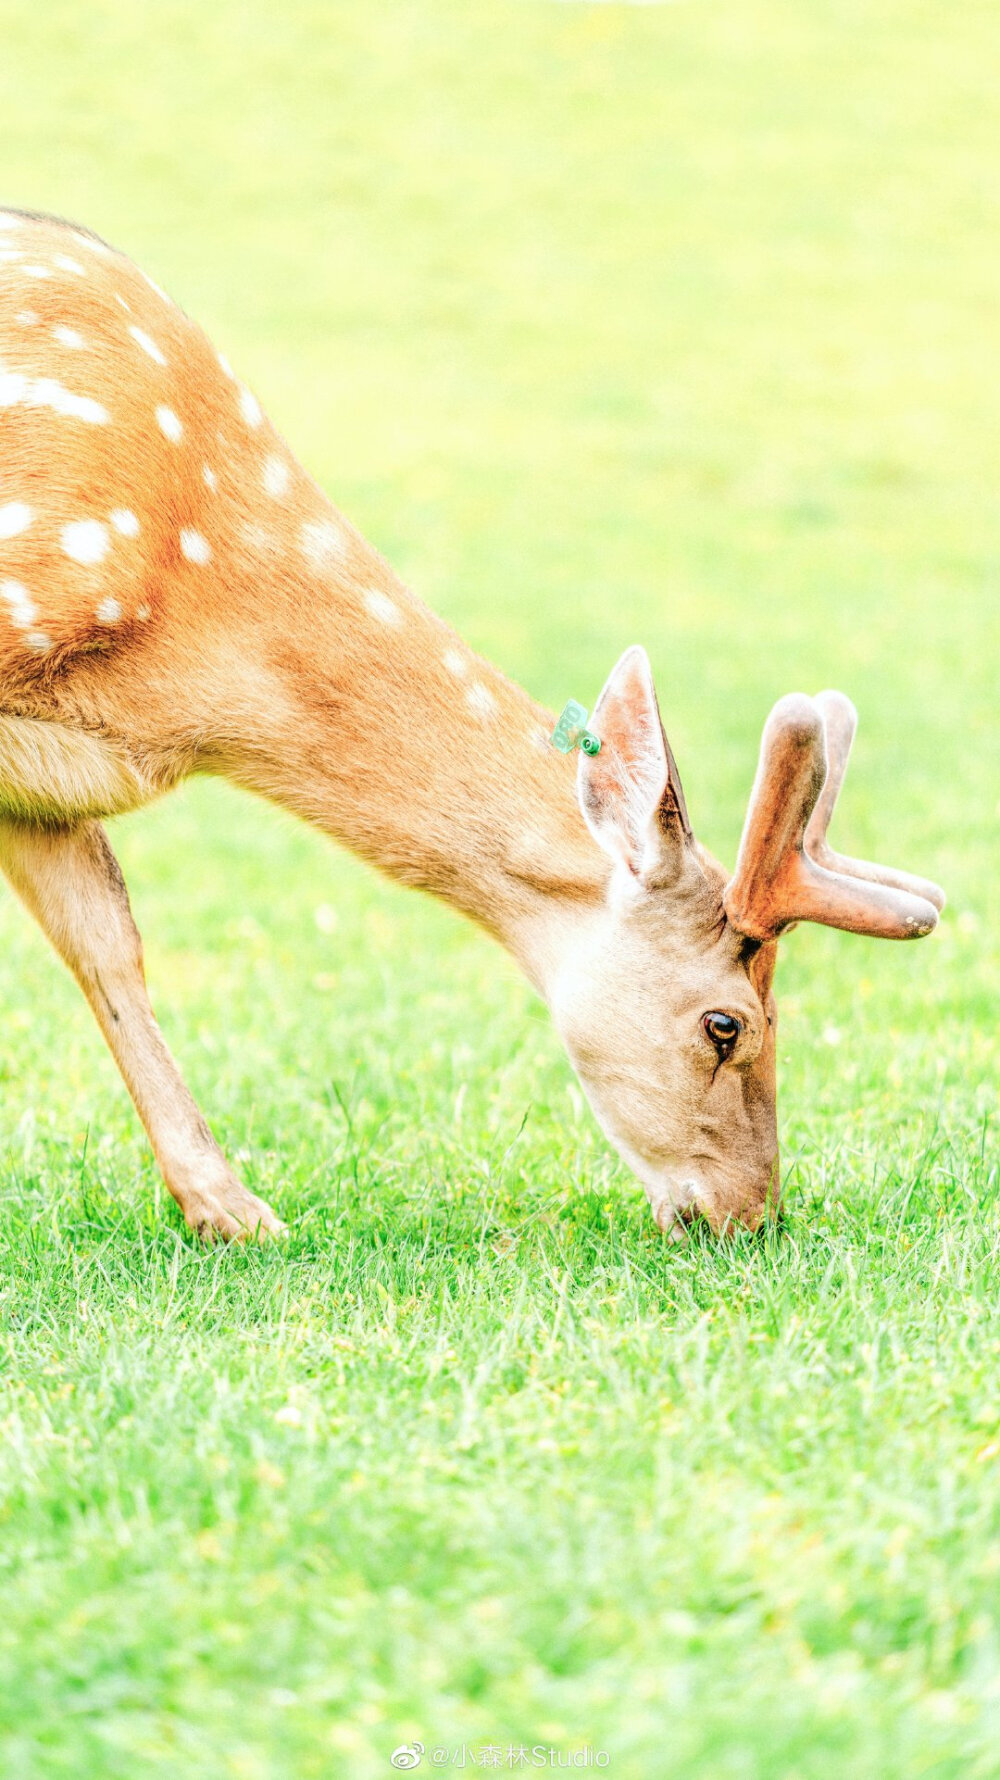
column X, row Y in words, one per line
column 607, row 324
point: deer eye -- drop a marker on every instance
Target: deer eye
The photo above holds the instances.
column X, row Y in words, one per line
column 723, row 1030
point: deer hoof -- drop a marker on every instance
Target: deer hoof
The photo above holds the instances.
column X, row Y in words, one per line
column 233, row 1214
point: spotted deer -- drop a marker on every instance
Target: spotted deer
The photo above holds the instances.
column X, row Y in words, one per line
column 177, row 596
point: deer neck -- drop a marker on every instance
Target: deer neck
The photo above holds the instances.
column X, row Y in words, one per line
column 377, row 723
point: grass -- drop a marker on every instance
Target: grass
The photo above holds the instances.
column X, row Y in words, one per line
column 607, row 324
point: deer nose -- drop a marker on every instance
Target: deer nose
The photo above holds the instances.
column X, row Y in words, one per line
column 726, row 1199
column 724, row 1222
column 736, row 1201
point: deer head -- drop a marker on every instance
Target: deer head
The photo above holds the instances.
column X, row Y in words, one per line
column 665, row 1002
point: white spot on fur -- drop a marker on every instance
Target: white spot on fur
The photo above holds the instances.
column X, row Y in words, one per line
column 455, row 662
column 10, row 255
column 27, row 318
column 48, row 394
column 276, row 477
column 45, row 392
column 323, row 542
column 38, row 641
column 194, row 546
column 209, row 477
column 168, row 423
column 21, row 607
column 250, row 408
column 9, row 221
column 124, row 520
column 37, row 271
column 158, row 288
column 67, row 336
column 123, row 303
column 480, row 699
column 85, row 540
column 14, row 386
column 92, row 244
column 67, row 265
column 108, row 612
column 226, row 366
column 148, row 345
column 382, row 607
column 143, row 612
column 15, row 517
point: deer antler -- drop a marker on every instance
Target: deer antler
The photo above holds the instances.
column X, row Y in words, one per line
column 785, row 872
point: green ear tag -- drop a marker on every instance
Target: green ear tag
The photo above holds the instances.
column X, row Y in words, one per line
column 571, row 731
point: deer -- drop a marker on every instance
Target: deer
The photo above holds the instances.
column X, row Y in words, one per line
column 178, row 597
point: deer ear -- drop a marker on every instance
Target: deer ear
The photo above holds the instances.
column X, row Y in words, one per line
column 630, row 793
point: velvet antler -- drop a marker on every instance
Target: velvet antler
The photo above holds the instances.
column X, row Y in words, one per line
column 785, row 872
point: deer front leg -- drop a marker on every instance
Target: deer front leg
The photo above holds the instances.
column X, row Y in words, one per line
column 70, row 880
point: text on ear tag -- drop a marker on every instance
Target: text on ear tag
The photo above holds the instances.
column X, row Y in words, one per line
column 571, row 730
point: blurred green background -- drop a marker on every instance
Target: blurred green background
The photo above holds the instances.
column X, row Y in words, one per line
column 606, row 323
